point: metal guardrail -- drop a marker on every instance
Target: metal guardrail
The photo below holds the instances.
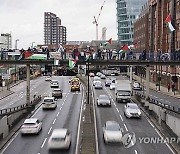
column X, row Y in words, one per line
column 161, row 104
column 12, row 110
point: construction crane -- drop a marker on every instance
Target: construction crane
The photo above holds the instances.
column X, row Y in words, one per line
column 97, row 19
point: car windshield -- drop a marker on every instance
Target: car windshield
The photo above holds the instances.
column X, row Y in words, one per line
column 113, row 127
column 124, row 94
column 132, row 106
column 57, row 139
column 48, row 100
column 104, row 97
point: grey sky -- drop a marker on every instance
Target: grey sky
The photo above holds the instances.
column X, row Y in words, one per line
column 25, row 18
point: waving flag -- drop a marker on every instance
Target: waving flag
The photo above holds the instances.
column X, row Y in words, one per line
column 72, row 63
column 169, row 24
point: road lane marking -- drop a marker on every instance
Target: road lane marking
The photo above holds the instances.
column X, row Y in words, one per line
column 49, row 130
column 121, row 117
column 150, row 122
column 170, row 148
column 115, row 104
column 57, row 114
column 43, row 143
column 60, row 108
column 54, row 121
column 117, row 109
column 135, row 151
column 159, row 133
column 125, row 127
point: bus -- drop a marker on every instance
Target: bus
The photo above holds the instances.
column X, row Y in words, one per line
column 75, row 84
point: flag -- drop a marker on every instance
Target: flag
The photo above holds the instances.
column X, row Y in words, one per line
column 93, row 54
column 38, row 56
column 124, row 49
column 169, row 24
column 27, row 54
column 110, row 41
column 56, row 61
column 60, row 49
column 87, row 55
column 72, row 63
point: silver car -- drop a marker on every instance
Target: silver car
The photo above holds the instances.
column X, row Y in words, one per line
column 98, row 85
column 112, row 132
column 132, row 110
column 103, row 100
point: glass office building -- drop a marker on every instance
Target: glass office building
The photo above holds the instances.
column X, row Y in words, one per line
column 127, row 12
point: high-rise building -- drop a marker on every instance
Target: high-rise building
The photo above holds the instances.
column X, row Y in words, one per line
column 54, row 32
column 127, row 12
column 104, row 29
column 6, row 41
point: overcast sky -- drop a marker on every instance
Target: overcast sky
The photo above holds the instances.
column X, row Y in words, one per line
column 24, row 19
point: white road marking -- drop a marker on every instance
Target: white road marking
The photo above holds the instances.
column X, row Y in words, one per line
column 49, row 130
column 57, row 114
column 43, row 143
column 115, row 104
column 54, row 121
column 60, row 108
column 159, row 133
column 9, row 143
column 150, row 122
column 117, row 109
column 125, row 127
column 170, row 148
column 135, row 151
column 121, row 117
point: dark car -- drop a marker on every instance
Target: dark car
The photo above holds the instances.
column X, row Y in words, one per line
column 57, row 93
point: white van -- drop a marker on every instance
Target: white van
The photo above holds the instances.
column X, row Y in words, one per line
column 49, row 103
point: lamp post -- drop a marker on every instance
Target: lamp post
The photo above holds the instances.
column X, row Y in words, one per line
column 15, row 59
column 32, row 45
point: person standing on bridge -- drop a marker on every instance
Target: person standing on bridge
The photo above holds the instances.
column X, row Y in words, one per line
column 168, row 87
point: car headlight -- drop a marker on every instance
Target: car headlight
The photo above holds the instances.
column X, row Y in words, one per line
column 128, row 113
column 139, row 113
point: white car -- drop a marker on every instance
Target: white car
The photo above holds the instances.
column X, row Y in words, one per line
column 137, row 86
column 31, row 126
column 98, row 85
column 47, row 78
column 103, row 100
column 54, row 84
column 103, row 76
column 59, row 139
column 91, row 74
column 112, row 132
column 96, row 79
column 49, row 103
column 112, row 86
column 132, row 110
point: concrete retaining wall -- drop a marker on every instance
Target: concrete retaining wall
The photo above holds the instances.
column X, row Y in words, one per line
column 4, row 128
column 173, row 122
column 13, row 117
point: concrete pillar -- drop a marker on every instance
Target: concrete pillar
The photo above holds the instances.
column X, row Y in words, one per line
column 131, row 74
column 147, row 81
column 28, row 85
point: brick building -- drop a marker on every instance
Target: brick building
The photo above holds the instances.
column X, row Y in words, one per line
column 151, row 33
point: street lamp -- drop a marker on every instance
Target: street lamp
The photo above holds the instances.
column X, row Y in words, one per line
column 32, row 45
column 16, row 43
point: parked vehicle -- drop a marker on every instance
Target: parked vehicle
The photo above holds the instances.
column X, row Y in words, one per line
column 123, row 91
column 59, row 139
column 132, row 110
column 31, row 126
column 112, row 132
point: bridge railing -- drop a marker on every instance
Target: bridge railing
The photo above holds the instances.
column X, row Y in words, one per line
column 159, row 103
